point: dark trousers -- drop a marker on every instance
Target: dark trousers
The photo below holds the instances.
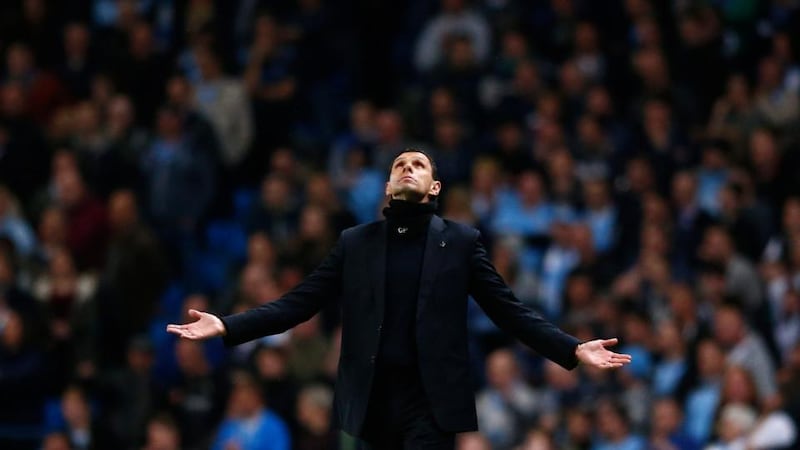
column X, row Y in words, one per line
column 399, row 416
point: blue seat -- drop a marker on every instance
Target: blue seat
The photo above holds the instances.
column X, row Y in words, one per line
column 172, row 300
column 243, row 200
column 208, row 273
column 227, row 240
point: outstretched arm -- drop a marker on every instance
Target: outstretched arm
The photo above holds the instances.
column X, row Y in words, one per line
column 296, row 306
column 206, row 326
column 511, row 315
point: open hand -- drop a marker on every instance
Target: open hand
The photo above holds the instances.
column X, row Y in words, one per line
column 206, row 326
column 595, row 354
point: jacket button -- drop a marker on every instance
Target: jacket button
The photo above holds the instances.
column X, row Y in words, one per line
column 372, row 359
column 380, row 327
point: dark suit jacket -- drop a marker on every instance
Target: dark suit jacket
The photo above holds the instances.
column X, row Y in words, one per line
column 455, row 265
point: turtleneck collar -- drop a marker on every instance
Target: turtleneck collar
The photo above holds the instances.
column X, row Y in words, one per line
column 412, row 215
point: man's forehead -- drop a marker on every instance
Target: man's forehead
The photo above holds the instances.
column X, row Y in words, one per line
column 411, row 155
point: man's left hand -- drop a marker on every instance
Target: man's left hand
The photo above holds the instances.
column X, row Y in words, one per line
column 595, row 354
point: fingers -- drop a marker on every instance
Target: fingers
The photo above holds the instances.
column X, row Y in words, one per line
column 609, row 342
column 185, row 334
column 195, row 313
column 182, row 331
column 621, row 357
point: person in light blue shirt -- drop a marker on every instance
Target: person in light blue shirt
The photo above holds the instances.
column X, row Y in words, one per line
column 249, row 425
column 528, row 214
column 361, row 186
column 671, row 367
column 614, row 429
column 13, row 227
column 600, row 214
column 711, row 178
column 702, row 401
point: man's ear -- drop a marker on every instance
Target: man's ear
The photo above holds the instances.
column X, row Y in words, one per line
column 436, row 187
column 386, row 190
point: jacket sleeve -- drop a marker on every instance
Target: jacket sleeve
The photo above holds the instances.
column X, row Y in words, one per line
column 295, row 307
column 507, row 312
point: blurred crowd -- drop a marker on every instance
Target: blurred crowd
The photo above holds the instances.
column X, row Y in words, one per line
column 634, row 166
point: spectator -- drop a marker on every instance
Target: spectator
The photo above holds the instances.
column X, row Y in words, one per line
column 270, row 81
column 248, row 425
column 130, row 396
column 56, row 441
column 52, row 234
column 313, row 240
column 320, row 192
column 741, row 278
column 775, row 102
column 744, row 347
column 578, row 430
column 197, row 396
column 733, row 115
column 135, row 273
column 614, row 429
column 306, row 349
column 223, row 100
column 524, row 283
column 702, row 400
column 666, row 432
column 486, row 188
column 507, row 403
column 600, row 215
column 86, row 220
column 390, row 141
column 276, row 213
column 362, row 133
column 126, row 140
column 43, row 91
column 673, row 363
column 360, row 186
column 279, row 390
column 454, row 19
column 558, row 260
column 80, row 424
column 587, row 56
column 162, row 434
column 314, row 415
column 140, row 71
column 453, row 154
column 23, row 167
column 527, row 213
column 22, row 372
column 472, row 441
column 67, row 297
column 14, row 227
column 180, row 183
column 78, row 66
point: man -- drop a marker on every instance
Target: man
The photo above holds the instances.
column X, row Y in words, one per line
column 403, row 377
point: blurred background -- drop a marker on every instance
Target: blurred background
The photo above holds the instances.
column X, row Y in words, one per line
column 633, row 164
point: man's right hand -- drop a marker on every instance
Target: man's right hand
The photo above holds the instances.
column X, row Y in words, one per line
column 206, row 326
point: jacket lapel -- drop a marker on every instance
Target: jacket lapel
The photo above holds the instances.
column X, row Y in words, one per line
column 376, row 259
column 431, row 260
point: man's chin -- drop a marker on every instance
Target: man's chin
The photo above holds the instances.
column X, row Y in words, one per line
column 409, row 195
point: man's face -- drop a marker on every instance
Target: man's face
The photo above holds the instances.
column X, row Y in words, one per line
column 411, row 178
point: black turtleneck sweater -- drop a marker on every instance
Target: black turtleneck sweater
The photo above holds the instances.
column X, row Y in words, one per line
column 407, row 228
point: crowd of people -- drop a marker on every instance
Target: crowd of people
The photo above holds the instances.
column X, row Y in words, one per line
column 634, row 166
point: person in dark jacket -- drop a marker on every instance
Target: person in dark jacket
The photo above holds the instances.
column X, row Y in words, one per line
column 403, row 284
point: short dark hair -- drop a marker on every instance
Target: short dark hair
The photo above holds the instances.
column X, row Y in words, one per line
column 434, row 169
